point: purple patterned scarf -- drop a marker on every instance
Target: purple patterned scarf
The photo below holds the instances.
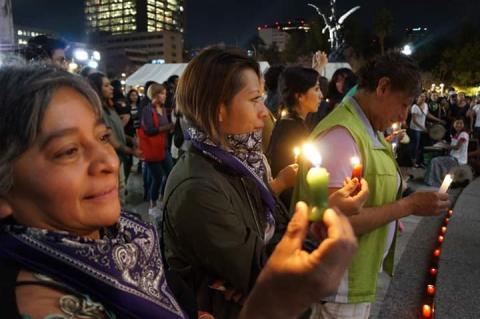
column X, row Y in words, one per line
column 122, row 270
column 243, row 154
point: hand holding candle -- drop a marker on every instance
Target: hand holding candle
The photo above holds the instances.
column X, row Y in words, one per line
column 317, row 181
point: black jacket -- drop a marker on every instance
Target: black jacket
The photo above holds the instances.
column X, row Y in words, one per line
column 213, row 229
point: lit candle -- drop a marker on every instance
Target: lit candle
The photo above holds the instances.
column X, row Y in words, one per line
column 433, row 271
column 395, row 127
column 450, row 213
column 296, row 153
column 317, row 181
column 431, row 290
column 446, row 183
column 443, row 230
column 436, row 252
column 357, row 171
column 283, row 113
column 440, row 239
column 426, row 311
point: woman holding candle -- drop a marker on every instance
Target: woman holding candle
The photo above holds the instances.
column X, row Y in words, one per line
column 386, row 88
column 300, row 94
column 66, row 248
column 221, row 218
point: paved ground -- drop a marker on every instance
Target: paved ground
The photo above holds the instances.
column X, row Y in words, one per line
column 458, row 281
column 397, row 298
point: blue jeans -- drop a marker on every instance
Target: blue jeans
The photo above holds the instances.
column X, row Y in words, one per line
column 157, row 176
column 415, row 138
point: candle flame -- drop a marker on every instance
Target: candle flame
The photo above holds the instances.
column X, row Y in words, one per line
column 355, row 160
column 296, row 151
column 312, row 154
column 395, row 126
column 283, row 113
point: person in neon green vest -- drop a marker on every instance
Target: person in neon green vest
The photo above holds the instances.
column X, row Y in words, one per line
column 386, row 89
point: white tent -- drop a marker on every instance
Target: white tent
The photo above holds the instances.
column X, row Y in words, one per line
column 161, row 72
column 331, row 67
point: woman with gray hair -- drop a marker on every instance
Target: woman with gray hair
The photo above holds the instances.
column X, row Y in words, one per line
column 66, row 248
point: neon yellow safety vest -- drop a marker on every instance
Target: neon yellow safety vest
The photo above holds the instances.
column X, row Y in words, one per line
column 380, row 171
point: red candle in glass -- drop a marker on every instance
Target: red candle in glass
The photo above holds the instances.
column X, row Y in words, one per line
column 426, row 311
column 433, row 271
column 436, row 253
column 440, row 239
column 443, row 230
column 430, row 290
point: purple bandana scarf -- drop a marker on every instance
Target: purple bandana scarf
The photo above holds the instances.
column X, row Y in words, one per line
column 244, row 156
column 122, row 270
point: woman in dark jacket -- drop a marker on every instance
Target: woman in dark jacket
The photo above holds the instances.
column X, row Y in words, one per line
column 220, row 213
column 221, row 217
column 300, row 94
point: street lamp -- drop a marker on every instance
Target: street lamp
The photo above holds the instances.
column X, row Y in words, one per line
column 80, row 54
column 96, row 55
column 93, row 64
column 407, row 50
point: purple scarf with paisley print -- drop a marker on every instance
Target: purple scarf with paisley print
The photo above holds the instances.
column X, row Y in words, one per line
column 122, row 270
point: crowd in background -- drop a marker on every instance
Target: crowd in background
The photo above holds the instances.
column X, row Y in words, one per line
column 220, row 175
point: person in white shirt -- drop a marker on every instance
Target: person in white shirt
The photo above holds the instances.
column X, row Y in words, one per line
column 441, row 165
column 474, row 115
column 420, row 114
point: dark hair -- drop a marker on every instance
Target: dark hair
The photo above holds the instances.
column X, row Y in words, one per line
column 42, row 47
column 293, row 81
column 271, row 77
column 212, row 78
column 323, row 82
column 25, row 95
column 130, row 93
column 171, row 79
column 96, row 81
column 117, row 90
column 350, row 80
column 402, row 71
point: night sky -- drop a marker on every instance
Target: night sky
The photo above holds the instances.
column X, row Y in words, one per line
column 234, row 21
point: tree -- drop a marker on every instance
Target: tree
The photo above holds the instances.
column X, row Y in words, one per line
column 382, row 26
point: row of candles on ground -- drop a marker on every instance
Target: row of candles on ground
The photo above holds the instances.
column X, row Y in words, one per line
column 318, row 179
column 428, row 308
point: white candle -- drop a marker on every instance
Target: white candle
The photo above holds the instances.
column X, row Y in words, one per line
column 446, row 184
column 296, row 153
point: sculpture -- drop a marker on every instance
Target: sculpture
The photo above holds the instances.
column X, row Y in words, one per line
column 333, row 25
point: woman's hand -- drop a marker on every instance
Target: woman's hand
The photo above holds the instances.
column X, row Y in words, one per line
column 319, row 61
column 347, row 199
column 293, row 279
column 285, row 179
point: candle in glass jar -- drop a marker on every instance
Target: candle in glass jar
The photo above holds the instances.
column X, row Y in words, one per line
column 317, row 181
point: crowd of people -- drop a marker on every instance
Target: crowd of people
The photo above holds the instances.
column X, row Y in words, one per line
column 228, row 196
